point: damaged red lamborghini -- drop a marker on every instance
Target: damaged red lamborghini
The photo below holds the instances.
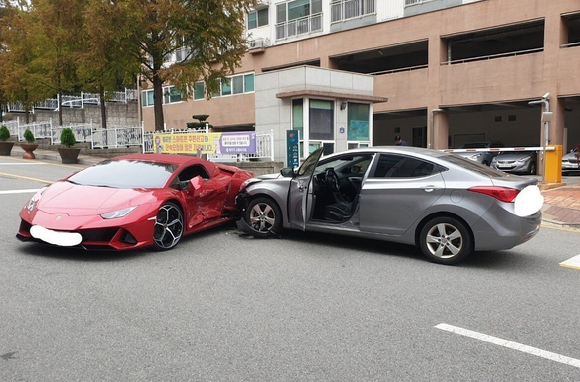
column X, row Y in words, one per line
column 133, row 201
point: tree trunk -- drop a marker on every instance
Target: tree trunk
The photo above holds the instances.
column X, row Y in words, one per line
column 158, row 103
column 103, row 107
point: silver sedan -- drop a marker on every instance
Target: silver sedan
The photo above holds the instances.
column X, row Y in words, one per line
column 446, row 205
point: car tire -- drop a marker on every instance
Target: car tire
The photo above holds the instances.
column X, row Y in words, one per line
column 263, row 216
column 169, row 227
column 445, row 240
column 532, row 169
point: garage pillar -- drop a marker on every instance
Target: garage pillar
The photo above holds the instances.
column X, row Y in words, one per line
column 439, row 129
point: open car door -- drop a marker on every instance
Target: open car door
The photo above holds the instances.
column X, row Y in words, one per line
column 300, row 196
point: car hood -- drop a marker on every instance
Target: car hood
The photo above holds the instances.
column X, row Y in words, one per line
column 514, row 156
column 81, row 200
column 269, row 176
column 569, row 156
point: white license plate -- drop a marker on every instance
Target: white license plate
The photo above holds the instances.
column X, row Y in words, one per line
column 63, row 239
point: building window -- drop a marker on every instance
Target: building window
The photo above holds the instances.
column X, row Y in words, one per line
column 298, row 122
column 243, row 83
column 358, row 122
column 258, row 18
column 226, row 87
column 321, row 118
column 199, row 90
column 298, row 17
column 170, row 95
column 248, row 83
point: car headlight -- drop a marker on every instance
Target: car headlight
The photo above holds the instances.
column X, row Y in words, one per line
column 523, row 160
column 118, row 213
column 247, row 182
column 475, row 156
column 31, row 205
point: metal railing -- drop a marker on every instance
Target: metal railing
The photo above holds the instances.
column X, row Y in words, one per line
column 114, row 137
column 341, row 10
column 492, row 56
column 77, row 101
column 296, row 27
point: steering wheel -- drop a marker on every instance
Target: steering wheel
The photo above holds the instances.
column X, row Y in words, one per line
column 332, row 180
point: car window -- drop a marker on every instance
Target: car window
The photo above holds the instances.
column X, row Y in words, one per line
column 472, row 166
column 347, row 165
column 193, row 171
column 125, row 174
column 399, row 166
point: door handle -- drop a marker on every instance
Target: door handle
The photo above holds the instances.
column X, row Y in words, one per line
column 430, row 188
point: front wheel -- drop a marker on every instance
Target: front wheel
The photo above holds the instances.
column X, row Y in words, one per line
column 168, row 227
column 264, row 216
column 445, row 240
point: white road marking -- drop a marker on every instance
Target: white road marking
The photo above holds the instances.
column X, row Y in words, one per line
column 31, row 190
column 19, row 163
column 573, row 263
column 510, row 344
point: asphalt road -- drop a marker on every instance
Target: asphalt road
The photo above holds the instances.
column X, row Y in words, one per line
column 306, row 307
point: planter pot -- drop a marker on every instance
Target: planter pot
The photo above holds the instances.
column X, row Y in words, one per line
column 6, row 148
column 69, row 155
column 29, row 150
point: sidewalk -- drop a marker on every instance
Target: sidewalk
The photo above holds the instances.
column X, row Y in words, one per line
column 561, row 204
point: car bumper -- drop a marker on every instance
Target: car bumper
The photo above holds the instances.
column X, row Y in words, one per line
column 500, row 228
column 568, row 167
column 96, row 233
column 512, row 168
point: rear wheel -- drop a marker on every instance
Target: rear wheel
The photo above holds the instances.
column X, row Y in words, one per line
column 533, row 169
column 445, row 240
column 168, row 227
column 264, row 216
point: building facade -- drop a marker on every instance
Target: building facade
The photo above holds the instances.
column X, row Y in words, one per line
column 443, row 72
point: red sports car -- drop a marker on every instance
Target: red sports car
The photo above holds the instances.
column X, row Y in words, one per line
column 133, row 201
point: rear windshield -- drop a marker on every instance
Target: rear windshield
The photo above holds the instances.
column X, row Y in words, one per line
column 472, row 166
column 125, row 174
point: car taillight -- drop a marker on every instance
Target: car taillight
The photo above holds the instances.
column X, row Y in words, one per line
column 503, row 194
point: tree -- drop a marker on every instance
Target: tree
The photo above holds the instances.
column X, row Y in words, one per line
column 208, row 34
column 56, row 27
column 103, row 63
column 18, row 51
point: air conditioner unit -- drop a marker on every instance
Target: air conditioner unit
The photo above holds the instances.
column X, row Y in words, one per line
column 261, row 4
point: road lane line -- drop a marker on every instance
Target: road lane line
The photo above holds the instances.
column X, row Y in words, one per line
column 511, row 345
column 573, row 263
column 31, row 190
column 27, row 178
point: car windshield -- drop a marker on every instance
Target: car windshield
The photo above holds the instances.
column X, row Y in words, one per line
column 125, row 174
column 472, row 166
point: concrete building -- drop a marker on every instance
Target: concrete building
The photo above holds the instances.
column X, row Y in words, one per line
column 437, row 72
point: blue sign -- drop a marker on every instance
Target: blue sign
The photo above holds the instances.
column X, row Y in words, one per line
column 292, row 149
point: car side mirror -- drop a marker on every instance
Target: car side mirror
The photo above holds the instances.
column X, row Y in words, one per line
column 287, row 172
column 196, row 182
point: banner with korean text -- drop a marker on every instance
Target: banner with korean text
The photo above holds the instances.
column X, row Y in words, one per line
column 239, row 142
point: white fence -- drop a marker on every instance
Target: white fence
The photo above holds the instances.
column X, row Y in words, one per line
column 77, row 101
column 126, row 136
column 114, row 137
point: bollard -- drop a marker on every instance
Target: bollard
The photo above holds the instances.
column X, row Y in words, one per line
column 553, row 164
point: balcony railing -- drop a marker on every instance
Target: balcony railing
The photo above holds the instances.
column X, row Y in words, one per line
column 413, row 2
column 296, row 27
column 349, row 9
